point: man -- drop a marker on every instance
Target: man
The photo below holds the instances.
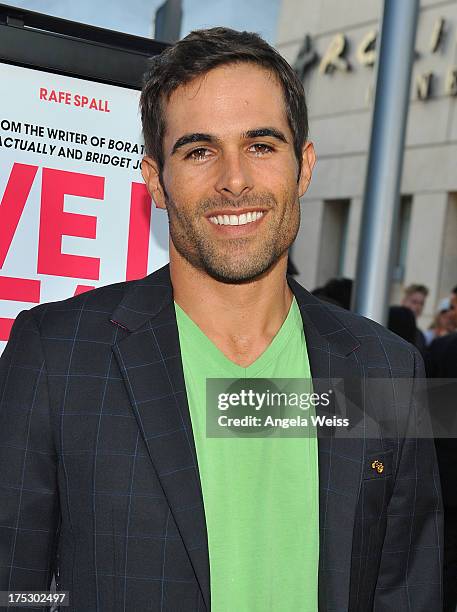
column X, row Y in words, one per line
column 107, row 472
column 414, row 299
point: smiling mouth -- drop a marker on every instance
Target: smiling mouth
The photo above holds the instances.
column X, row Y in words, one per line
column 242, row 219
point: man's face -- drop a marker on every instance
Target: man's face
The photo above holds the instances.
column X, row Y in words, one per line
column 229, row 179
column 415, row 302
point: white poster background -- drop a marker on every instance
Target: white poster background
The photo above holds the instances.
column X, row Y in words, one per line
column 21, row 104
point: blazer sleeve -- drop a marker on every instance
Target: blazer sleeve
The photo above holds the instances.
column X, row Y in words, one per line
column 29, row 507
column 410, row 574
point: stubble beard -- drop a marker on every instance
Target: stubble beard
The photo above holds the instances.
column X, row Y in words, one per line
column 233, row 260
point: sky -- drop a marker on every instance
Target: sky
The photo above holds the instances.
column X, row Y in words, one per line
column 136, row 16
column 259, row 16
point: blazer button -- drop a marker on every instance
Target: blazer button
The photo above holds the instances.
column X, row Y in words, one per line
column 378, row 466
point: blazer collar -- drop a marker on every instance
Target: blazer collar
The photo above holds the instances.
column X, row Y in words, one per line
column 147, row 297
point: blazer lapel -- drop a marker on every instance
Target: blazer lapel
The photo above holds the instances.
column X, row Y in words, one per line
column 150, row 361
column 331, row 347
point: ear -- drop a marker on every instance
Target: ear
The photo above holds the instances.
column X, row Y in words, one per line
column 151, row 176
column 307, row 165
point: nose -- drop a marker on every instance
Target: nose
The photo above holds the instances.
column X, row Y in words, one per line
column 234, row 179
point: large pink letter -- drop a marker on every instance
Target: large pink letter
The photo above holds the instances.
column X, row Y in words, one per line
column 55, row 223
column 139, row 230
column 20, row 289
column 12, row 204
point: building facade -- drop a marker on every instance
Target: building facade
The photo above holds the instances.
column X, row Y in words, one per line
column 332, row 45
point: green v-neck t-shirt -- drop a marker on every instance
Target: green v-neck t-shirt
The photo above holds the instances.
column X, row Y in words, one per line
column 260, row 494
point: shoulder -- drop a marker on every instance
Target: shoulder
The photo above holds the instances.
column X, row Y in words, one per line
column 91, row 307
column 451, row 344
column 378, row 346
column 441, row 344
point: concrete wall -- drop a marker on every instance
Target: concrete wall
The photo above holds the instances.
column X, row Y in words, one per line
column 340, row 109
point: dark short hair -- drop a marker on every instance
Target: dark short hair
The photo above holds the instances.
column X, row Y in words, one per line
column 402, row 322
column 198, row 53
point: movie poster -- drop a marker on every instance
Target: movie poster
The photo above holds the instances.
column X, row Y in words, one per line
column 74, row 211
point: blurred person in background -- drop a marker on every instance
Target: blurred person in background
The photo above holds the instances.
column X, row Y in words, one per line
column 336, row 291
column 414, row 298
column 437, row 359
column 443, row 323
column 401, row 321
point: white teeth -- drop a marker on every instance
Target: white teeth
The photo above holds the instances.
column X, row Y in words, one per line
column 235, row 219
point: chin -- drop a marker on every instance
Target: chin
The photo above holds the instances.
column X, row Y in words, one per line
column 236, row 275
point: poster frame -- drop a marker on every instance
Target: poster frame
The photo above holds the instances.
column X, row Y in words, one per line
column 51, row 44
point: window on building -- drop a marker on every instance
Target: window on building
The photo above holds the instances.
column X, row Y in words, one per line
column 401, row 237
column 332, row 249
column 448, row 268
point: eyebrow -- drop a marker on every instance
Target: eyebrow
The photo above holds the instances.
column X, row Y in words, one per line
column 266, row 131
column 202, row 137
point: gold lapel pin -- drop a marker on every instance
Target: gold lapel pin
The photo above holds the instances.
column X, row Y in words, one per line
column 378, row 466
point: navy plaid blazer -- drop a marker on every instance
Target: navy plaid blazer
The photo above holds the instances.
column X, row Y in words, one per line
column 99, row 476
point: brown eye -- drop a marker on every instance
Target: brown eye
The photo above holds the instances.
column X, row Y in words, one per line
column 261, row 149
column 197, row 154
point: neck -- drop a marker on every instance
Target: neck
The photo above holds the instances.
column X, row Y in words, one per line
column 241, row 315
